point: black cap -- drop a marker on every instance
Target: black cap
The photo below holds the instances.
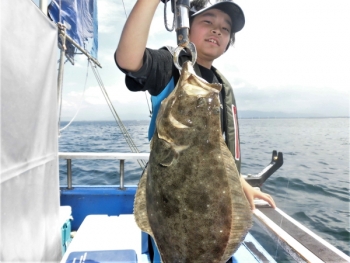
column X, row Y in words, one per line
column 227, row 6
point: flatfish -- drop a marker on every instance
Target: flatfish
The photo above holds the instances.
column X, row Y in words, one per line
column 190, row 198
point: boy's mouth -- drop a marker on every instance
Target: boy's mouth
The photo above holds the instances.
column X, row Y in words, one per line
column 212, row 41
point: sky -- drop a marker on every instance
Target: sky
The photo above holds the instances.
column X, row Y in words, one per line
column 291, row 57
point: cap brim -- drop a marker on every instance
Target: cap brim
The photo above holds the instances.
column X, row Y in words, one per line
column 230, row 8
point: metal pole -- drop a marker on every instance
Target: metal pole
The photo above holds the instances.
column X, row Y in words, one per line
column 83, row 51
column 122, row 175
column 43, row 6
column 62, row 36
column 69, row 174
column 182, row 22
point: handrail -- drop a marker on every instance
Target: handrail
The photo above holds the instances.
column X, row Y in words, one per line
column 254, row 180
column 104, row 156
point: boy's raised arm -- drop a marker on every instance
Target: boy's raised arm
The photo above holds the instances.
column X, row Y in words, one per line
column 134, row 37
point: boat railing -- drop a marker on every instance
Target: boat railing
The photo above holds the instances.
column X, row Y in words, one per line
column 100, row 156
column 254, row 180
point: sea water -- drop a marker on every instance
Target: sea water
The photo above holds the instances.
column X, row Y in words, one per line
column 312, row 186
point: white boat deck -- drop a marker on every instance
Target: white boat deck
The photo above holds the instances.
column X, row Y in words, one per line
column 106, row 234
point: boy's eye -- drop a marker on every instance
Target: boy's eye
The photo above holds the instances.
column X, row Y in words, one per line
column 207, row 21
column 226, row 29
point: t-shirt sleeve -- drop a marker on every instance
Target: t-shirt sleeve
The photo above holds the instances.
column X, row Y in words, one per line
column 155, row 73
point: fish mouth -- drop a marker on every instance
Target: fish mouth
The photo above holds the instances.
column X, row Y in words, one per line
column 213, row 40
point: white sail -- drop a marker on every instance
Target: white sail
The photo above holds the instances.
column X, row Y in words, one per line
column 30, row 229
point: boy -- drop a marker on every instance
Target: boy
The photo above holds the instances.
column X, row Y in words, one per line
column 213, row 28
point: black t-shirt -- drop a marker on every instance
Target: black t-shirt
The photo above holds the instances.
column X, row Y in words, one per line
column 155, row 73
column 160, row 63
column 157, row 70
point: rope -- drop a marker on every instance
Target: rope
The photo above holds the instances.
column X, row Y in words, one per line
column 123, row 129
column 59, row 13
column 81, row 100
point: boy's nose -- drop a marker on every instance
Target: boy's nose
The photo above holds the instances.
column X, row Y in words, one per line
column 215, row 31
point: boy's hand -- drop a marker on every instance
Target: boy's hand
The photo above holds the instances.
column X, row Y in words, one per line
column 252, row 193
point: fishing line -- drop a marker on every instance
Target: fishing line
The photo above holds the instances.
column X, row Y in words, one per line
column 81, row 100
column 150, row 111
column 123, row 129
column 124, row 9
column 280, row 224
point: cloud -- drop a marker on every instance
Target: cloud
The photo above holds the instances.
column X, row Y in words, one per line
column 292, row 99
column 126, row 103
column 112, row 14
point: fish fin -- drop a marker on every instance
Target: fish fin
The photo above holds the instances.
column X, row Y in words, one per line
column 140, row 206
column 167, row 154
column 240, row 209
column 169, row 159
column 173, row 155
column 151, row 144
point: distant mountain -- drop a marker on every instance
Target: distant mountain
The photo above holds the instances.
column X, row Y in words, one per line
column 242, row 114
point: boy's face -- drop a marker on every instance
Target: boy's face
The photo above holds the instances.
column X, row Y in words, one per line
column 210, row 32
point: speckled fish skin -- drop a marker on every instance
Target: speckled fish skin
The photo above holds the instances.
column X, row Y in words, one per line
column 190, row 198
